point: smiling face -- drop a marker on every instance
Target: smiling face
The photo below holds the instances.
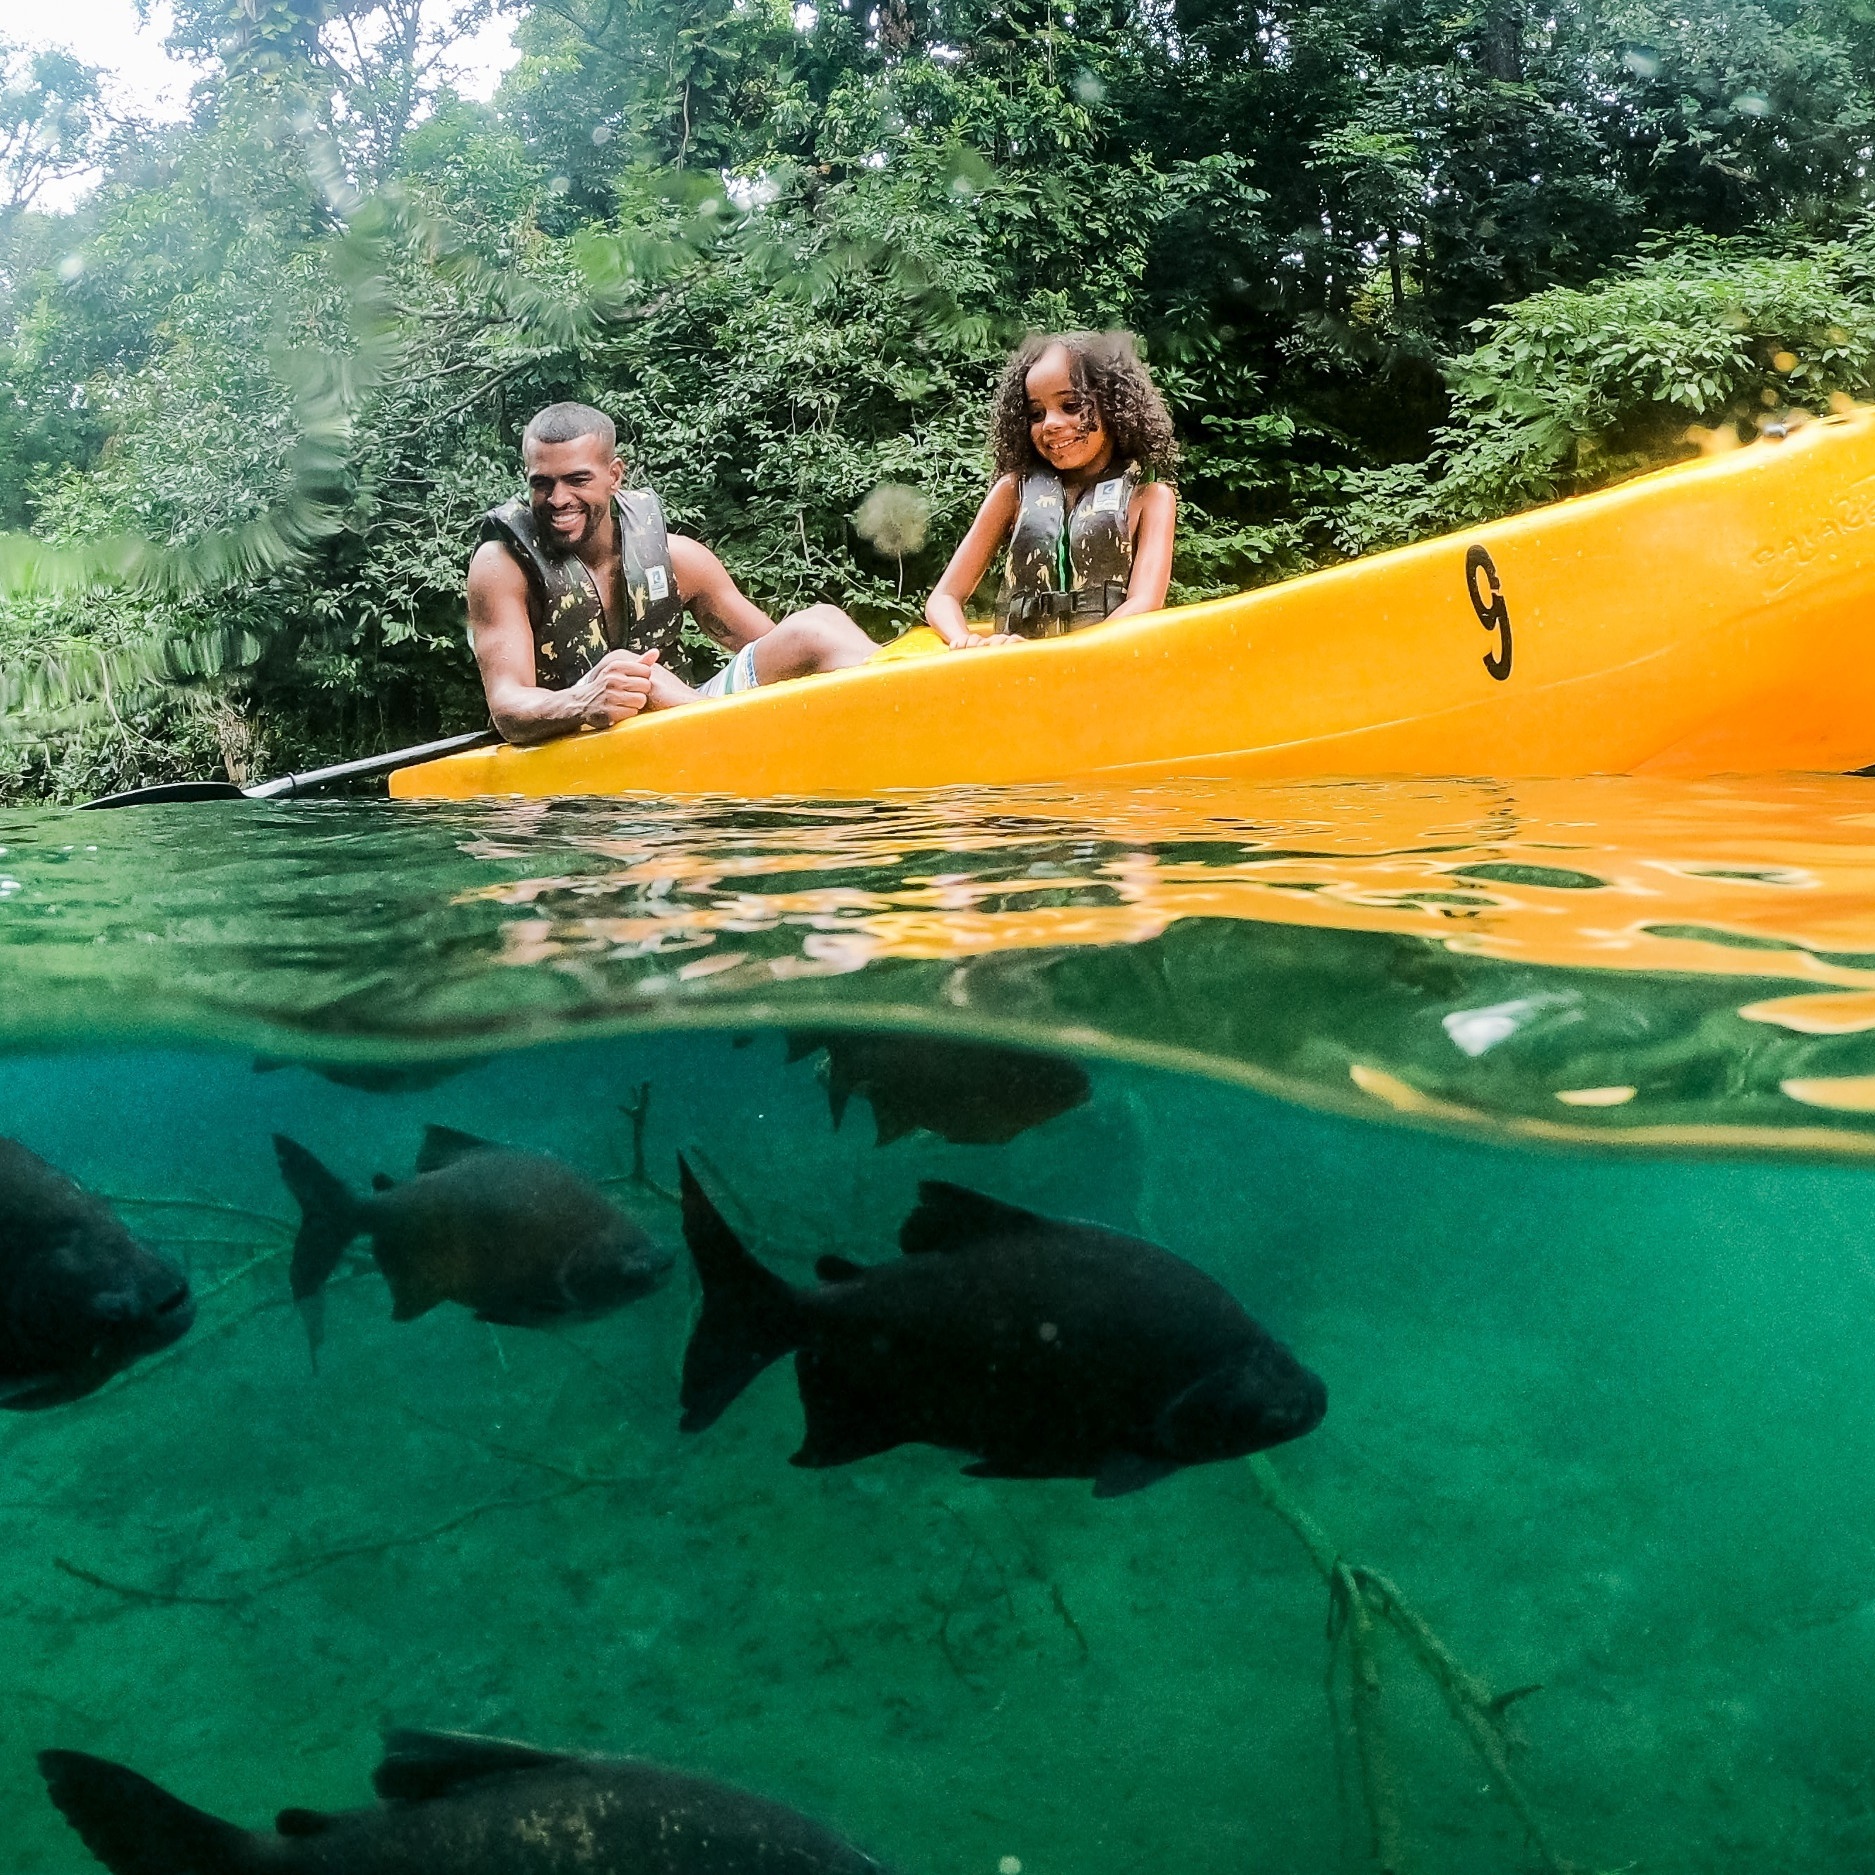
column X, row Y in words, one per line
column 1064, row 421
column 571, row 486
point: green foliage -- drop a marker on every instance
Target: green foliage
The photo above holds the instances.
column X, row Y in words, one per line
column 49, row 122
column 1701, row 341
column 1397, row 267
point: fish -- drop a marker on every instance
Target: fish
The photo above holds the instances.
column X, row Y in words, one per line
column 517, row 1237
column 80, row 1297
column 970, row 1093
column 373, row 1077
column 454, row 1804
column 1045, row 1347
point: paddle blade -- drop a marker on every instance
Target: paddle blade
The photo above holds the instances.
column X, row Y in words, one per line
column 165, row 792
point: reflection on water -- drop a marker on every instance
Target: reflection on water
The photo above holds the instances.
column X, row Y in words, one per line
column 1576, row 1569
column 1649, row 963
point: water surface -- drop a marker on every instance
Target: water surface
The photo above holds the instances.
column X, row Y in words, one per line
column 1534, row 1119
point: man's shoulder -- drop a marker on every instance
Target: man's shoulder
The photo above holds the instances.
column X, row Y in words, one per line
column 493, row 564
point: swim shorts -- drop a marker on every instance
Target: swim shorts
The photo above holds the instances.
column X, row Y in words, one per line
column 737, row 675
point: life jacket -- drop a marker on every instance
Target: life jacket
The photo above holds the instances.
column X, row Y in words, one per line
column 1067, row 570
column 571, row 630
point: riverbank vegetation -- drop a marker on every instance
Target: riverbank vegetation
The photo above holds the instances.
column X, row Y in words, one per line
column 1398, row 266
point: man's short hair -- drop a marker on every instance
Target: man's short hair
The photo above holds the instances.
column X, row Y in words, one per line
column 567, row 423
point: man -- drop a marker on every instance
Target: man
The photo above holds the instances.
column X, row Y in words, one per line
column 577, row 593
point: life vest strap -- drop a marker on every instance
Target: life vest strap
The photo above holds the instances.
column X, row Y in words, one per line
column 1055, row 614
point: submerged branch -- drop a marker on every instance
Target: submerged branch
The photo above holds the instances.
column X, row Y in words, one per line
column 1358, row 1595
column 202, row 1204
column 131, row 1592
column 283, row 1575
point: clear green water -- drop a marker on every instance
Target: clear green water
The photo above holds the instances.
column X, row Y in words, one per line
column 1606, row 1422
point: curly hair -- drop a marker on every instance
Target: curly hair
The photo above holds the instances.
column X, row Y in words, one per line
column 1104, row 366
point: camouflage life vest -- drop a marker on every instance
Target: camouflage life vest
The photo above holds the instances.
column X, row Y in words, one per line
column 1067, row 570
column 571, row 630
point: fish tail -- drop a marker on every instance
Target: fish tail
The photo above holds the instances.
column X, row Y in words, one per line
column 329, row 1220
column 135, row 1827
column 750, row 1316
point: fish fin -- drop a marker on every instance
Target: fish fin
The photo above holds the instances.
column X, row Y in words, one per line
column 838, row 1269
column 444, row 1145
column 382, row 1181
column 420, row 1765
column 411, row 1301
column 302, row 1822
column 266, row 1064
column 802, row 1043
column 312, row 1318
column 840, row 1085
column 890, row 1121
column 1122, row 1473
column 750, row 1316
column 1000, row 1468
column 329, row 1220
column 951, row 1217
column 135, row 1827
column 843, row 1423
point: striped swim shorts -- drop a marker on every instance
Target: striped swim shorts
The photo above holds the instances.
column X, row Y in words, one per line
column 737, row 675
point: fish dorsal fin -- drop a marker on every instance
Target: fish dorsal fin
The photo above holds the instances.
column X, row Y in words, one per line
column 444, row 1145
column 891, row 1118
column 840, row 1086
column 302, row 1822
column 802, row 1043
column 952, row 1217
column 420, row 1765
column 838, row 1269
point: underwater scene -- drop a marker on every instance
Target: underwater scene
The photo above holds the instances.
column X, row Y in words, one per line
column 1315, row 1327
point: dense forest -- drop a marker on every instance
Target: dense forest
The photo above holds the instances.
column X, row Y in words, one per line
column 1397, row 265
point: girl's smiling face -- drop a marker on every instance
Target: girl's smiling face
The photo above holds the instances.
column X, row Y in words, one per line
column 1064, row 421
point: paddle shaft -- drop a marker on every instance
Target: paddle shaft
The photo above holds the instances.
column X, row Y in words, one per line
column 289, row 787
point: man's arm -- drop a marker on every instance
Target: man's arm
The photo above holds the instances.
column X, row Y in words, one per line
column 717, row 604
column 614, row 690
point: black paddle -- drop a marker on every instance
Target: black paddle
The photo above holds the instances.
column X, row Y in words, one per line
column 288, row 787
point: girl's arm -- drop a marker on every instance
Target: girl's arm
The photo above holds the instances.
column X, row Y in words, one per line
column 1155, row 516
column 944, row 610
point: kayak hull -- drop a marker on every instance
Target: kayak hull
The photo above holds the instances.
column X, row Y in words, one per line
column 1717, row 617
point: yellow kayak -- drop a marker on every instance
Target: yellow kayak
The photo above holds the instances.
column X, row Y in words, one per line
column 1716, row 617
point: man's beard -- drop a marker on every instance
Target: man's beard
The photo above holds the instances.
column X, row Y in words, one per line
column 557, row 542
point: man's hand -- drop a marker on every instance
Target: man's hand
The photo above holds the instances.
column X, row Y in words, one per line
column 615, row 689
column 668, row 690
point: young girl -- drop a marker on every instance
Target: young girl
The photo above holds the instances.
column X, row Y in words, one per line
column 1075, row 426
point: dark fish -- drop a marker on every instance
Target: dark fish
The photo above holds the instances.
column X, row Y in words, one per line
column 455, row 1805
column 518, row 1237
column 80, row 1298
column 373, row 1077
column 967, row 1092
column 1049, row 1349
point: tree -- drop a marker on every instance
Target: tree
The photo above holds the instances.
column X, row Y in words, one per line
column 50, row 119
